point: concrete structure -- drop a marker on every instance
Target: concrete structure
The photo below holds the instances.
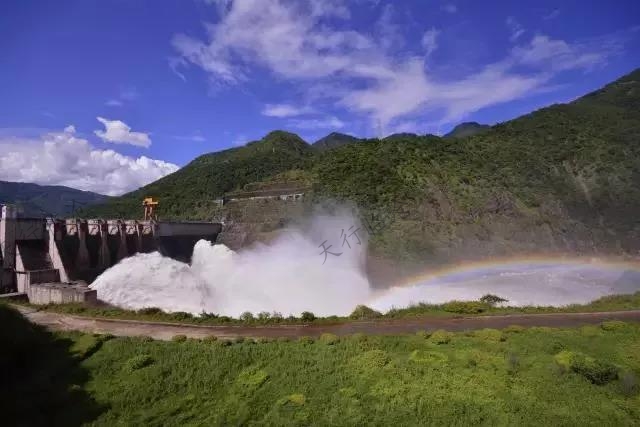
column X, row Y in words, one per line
column 275, row 194
column 59, row 293
column 36, row 251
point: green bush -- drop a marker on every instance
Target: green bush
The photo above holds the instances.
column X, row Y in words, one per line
column 247, row 316
column 513, row 363
column 181, row 315
column 150, row 311
column 179, row 338
column 329, row 339
column 441, row 337
column 263, row 316
column 210, row 339
column 305, row 340
column 489, row 334
column 423, row 334
column 307, row 316
column 613, row 325
column 252, row 377
column 492, row 299
column 138, row 362
column 465, row 307
column 364, row 312
column 296, row 399
column 596, row 371
column 371, row 360
column 513, row 329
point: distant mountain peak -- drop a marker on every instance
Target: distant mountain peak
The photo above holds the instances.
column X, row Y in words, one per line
column 333, row 140
column 467, row 129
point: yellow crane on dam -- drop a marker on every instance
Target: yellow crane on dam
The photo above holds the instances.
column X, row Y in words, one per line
column 150, row 205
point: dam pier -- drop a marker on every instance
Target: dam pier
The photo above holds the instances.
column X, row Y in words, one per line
column 52, row 260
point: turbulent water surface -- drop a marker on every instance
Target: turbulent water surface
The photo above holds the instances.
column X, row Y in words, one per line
column 292, row 275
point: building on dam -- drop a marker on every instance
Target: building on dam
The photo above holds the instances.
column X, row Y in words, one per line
column 51, row 260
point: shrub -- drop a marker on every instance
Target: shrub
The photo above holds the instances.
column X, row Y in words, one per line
column 359, row 337
column 252, row 378
column 596, row 371
column 224, row 343
column 210, row 339
column 263, row 340
column 150, row 311
column 465, row 307
column 239, row 340
column 488, row 334
column 307, row 316
column 371, row 360
column 181, row 315
column 284, row 339
column 247, row 316
column 145, row 338
column 492, row 299
column 179, row 338
column 205, row 316
column 613, row 325
column 629, row 384
column 296, row 399
column 138, row 362
column 364, row 312
column 329, row 339
column 441, row 337
column 305, row 340
column 264, row 316
column 423, row 334
column 277, row 316
column 514, row 329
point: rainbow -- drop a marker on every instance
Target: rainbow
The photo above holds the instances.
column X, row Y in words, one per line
column 486, row 265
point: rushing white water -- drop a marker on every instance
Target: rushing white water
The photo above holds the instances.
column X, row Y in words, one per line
column 291, row 275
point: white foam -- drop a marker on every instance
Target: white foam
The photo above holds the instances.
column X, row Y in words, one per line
column 289, row 277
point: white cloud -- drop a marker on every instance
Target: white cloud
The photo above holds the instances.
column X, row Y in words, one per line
column 62, row 158
column 113, row 103
column 430, row 41
column 118, row 132
column 285, row 110
column 449, row 8
column 294, row 42
column 192, row 138
column 321, row 123
column 516, row 29
column 552, row 15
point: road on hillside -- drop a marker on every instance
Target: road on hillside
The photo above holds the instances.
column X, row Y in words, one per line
column 164, row 331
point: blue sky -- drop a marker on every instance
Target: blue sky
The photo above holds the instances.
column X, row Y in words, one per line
column 108, row 95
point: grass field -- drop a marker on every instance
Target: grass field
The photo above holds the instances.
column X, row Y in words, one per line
column 453, row 308
column 536, row 376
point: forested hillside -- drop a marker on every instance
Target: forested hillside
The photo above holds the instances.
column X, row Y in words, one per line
column 35, row 200
column 564, row 178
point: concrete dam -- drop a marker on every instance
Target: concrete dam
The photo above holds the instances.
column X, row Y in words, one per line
column 52, row 260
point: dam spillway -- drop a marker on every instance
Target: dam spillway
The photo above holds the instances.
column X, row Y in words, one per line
column 38, row 251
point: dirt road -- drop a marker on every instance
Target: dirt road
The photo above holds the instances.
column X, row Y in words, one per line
column 164, row 331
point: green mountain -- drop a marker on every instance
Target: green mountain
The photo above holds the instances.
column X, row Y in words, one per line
column 334, row 140
column 561, row 179
column 35, row 200
column 189, row 193
column 467, row 129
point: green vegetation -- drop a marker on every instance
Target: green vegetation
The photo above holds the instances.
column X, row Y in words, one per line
column 372, row 380
column 38, row 201
column 453, row 308
column 566, row 177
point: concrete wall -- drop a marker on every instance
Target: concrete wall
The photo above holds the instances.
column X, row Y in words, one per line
column 82, row 249
column 58, row 293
